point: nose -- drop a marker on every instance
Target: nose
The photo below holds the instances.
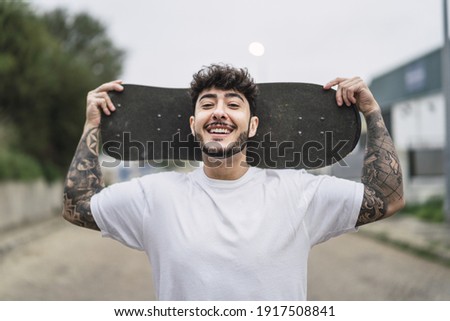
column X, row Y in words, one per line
column 219, row 111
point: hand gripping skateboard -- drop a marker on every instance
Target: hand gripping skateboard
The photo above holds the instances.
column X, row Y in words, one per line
column 300, row 126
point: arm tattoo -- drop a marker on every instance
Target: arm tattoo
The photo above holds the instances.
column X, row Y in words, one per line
column 382, row 176
column 84, row 179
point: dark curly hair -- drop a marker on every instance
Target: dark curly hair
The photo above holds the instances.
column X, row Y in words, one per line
column 224, row 77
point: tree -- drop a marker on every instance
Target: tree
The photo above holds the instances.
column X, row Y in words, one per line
column 47, row 65
column 89, row 59
column 26, row 50
column 86, row 40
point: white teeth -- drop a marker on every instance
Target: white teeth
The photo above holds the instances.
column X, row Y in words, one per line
column 220, row 131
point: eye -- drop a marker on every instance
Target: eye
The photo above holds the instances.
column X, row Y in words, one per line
column 233, row 105
column 207, row 105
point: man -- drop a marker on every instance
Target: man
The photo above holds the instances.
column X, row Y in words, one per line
column 228, row 231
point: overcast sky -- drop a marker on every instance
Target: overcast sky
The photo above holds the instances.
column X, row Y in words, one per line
column 305, row 40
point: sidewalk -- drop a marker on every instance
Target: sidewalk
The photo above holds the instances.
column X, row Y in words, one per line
column 430, row 240
column 10, row 239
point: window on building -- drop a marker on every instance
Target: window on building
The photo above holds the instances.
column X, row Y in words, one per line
column 426, row 162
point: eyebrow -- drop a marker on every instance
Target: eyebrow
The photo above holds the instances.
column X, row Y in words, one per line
column 227, row 95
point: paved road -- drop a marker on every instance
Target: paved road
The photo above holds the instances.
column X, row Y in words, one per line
column 354, row 267
column 70, row 263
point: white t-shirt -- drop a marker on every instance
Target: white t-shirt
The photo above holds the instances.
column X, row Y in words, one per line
column 246, row 239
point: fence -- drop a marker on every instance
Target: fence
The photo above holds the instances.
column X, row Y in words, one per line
column 27, row 202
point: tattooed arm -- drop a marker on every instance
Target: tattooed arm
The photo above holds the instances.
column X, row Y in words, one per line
column 84, row 178
column 382, row 174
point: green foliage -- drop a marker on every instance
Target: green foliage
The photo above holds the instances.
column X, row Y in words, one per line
column 18, row 166
column 430, row 211
column 85, row 41
column 48, row 64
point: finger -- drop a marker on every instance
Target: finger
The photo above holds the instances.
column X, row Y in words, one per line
column 99, row 103
column 105, row 88
column 349, row 88
column 104, row 106
column 347, row 94
column 351, row 94
column 339, row 81
column 334, row 82
column 107, row 99
column 353, row 87
column 113, row 86
column 339, row 97
column 110, row 86
column 342, row 93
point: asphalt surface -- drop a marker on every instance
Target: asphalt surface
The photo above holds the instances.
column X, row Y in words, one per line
column 55, row 260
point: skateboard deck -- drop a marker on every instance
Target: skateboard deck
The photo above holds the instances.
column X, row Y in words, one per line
column 300, row 126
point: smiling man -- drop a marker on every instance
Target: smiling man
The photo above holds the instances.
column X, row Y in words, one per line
column 224, row 119
column 228, row 231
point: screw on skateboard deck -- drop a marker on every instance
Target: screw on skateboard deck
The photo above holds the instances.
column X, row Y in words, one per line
column 300, row 126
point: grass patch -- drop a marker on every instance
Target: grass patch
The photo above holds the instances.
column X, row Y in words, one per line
column 430, row 211
column 425, row 253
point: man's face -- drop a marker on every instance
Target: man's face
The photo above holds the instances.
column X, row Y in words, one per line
column 222, row 120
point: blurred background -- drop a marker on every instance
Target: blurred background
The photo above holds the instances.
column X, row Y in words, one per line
column 52, row 52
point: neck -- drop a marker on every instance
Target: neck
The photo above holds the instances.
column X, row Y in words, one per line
column 230, row 168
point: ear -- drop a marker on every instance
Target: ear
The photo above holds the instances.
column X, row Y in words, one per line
column 191, row 124
column 254, row 122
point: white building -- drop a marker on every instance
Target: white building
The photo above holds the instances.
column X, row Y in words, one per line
column 413, row 106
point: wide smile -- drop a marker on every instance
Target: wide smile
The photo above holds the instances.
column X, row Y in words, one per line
column 219, row 129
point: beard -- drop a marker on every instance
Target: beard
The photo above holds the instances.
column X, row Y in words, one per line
column 216, row 150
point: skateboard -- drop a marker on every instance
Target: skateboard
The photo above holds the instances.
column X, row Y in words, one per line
column 300, row 126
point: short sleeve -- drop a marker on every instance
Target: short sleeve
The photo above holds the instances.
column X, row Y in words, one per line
column 334, row 206
column 118, row 211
